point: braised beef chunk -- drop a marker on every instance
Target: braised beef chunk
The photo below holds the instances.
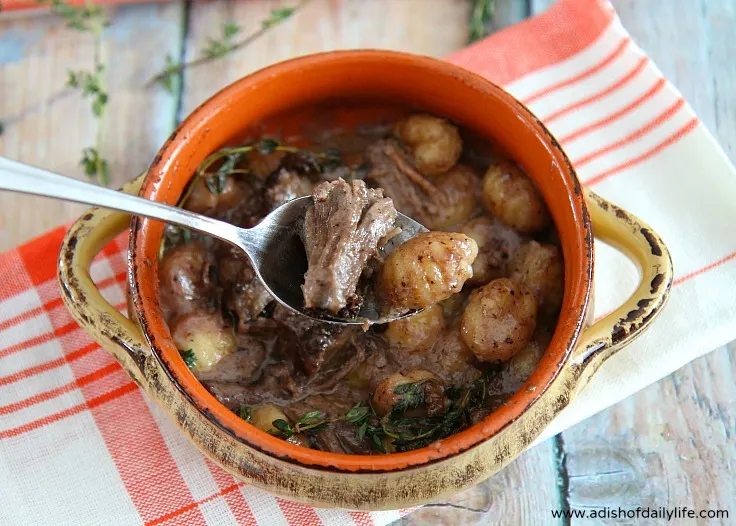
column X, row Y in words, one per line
column 243, row 295
column 242, row 366
column 284, row 185
column 341, row 437
column 392, row 169
column 278, row 383
column 187, row 274
column 319, row 343
column 336, row 366
column 341, row 232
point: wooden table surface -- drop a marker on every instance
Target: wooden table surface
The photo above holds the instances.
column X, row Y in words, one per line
column 661, row 447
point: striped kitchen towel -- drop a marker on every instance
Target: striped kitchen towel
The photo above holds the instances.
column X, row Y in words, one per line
column 80, row 444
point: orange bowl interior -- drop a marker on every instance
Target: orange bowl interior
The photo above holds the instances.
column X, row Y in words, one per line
column 356, row 82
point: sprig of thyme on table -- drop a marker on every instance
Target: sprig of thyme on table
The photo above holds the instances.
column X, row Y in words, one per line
column 218, row 48
column 481, row 15
column 88, row 18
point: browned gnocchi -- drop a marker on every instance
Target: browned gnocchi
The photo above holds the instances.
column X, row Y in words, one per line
column 265, row 415
column 434, row 142
column 497, row 246
column 419, row 332
column 511, row 196
column 499, row 320
column 204, row 201
column 457, row 202
column 540, row 268
column 186, row 278
column 426, row 270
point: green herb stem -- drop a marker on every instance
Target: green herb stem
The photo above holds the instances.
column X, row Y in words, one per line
column 218, row 49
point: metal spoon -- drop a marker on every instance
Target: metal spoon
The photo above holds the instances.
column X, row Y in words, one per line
column 274, row 246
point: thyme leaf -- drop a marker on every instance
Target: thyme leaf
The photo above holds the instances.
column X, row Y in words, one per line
column 245, row 412
column 278, row 15
column 189, row 357
column 95, row 166
column 481, row 15
column 219, row 48
column 412, row 396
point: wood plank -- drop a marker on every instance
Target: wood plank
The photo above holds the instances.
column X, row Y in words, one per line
column 430, row 27
column 48, row 125
column 523, row 493
column 670, row 445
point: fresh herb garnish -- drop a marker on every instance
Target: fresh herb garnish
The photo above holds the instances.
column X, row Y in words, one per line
column 245, row 412
column 312, row 421
column 266, row 146
column 231, row 158
column 189, row 357
column 415, row 432
column 405, row 432
column 412, row 396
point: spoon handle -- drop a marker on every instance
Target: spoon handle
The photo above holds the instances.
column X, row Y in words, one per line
column 19, row 177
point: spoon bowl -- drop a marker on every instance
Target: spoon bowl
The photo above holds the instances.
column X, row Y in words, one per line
column 274, row 246
column 281, row 261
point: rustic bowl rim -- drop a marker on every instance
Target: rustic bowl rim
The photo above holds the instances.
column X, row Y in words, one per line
column 183, row 142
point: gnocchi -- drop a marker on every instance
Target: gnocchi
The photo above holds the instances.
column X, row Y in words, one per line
column 426, row 270
column 186, row 278
column 206, row 335
column 434, row 142
column 511, row 196
column 264, row 415
column 457, row 189
column 418, row 332
column 497, row 246
column 499, row 320
column 385, row 396
column 205, row 199
column 540, row 268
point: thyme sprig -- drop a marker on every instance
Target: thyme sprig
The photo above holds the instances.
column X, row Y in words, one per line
column 234, row 156
column 218, row 48
column 88, row 18
column 312, row 421
column 404, row 432
column 481, row 15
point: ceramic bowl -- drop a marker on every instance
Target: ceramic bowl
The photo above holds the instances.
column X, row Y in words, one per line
column 343, row 87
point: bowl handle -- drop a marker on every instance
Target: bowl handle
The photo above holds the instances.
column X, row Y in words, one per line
column 645, row 248
column 113, row 331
